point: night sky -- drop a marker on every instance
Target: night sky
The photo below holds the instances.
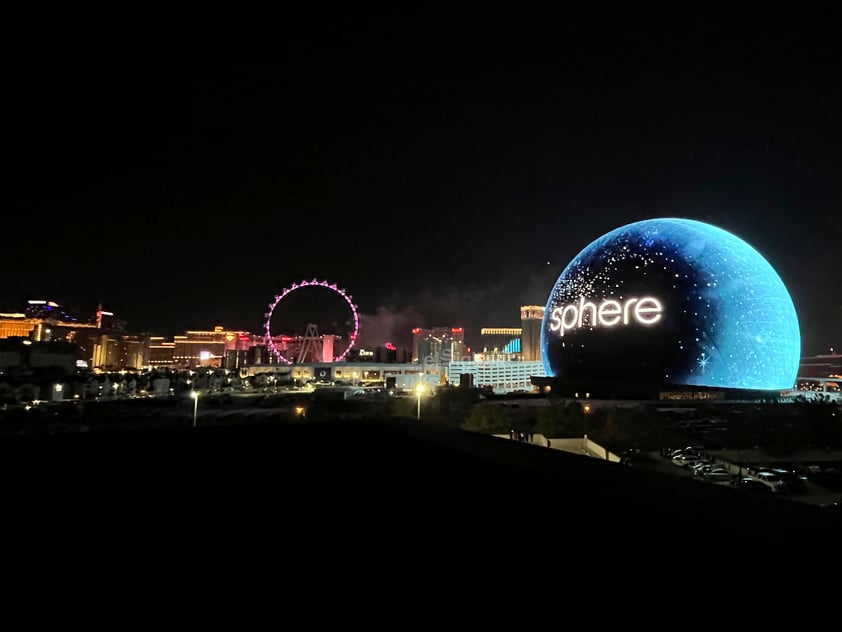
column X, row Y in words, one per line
column 184, row 167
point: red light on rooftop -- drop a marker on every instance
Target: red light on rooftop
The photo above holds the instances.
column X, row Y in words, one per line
column 457, row 330
column 390, row 346
column 416, row 330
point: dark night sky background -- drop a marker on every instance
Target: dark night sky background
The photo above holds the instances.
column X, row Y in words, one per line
column 184, row 166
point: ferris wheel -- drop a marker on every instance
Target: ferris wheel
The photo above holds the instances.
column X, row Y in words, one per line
column 273, row 307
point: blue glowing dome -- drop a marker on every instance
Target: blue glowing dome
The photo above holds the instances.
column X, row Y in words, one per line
column 672, row 301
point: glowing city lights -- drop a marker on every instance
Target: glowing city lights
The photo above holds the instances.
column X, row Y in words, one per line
column 270, row 342
column 644, row 311
column 724, row 317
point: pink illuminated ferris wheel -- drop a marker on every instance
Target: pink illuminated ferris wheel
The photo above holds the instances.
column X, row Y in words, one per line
column 311, row 333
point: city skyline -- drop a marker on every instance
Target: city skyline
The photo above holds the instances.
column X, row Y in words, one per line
column 376, row 330
column 443, row 172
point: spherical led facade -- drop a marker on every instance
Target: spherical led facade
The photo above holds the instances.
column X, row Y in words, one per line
column 676, row 302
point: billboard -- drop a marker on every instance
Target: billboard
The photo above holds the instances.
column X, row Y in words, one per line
column 323, row 374
column 675, row 302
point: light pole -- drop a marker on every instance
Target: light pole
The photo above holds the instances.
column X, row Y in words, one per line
column 419, row 389
column 195, row 396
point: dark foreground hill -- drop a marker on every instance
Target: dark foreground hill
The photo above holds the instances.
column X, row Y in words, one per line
column 372, row 506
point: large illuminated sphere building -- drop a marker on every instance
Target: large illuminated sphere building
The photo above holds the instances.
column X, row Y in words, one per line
column 669, row 304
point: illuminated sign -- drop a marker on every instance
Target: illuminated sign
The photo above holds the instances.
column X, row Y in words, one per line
column 365, row 353
column 609, row 313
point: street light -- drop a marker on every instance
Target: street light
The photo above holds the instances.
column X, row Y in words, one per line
column 586, row 410
column 419, row 389
column 195, row 396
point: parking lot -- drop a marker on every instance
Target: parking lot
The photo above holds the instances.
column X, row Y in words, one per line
column 752, row 462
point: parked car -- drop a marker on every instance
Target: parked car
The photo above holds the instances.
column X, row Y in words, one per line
column 699, row 468
column 794, row 482
column 772, row 480
column 828, row 477
column 683, row 460
column 687, row 451
column 748, row 484
column 717, row 475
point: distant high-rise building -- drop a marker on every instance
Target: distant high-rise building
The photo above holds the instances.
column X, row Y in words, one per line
column 386, row 354
column 41, row 321
column 160, row 352
column 47, row 310
column 17, row 325
column 531, row 317
column 457, row 344
column 207, row 348
column 498, row 375
column 501, row 341
column 824, row 365
column 438, row 345
column 107, row 320
column 418, row 334
column 327, row 347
